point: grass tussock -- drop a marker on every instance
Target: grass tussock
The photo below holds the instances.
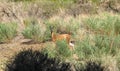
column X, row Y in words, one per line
column 106, row 25
column 35, row 31
column 50, row 49
column 102, row 48
column 63, row 50
column 59, row 50
column 61, row 25
column 7, row 32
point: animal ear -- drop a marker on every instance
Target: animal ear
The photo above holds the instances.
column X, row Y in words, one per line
column 51, row 27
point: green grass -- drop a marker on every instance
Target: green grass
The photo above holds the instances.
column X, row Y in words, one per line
column 63, row 50
column 106, row 25
column 60, row 50
column 50, row 50
column 103, row 47
column 7, row 32
column 99, row 52
column 61, row 25
column 105, row 50
column 34, row 31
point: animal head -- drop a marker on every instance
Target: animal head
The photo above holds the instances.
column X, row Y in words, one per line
column 51, row 29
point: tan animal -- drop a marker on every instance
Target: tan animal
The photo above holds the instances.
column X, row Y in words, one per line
column 56, row 37
column 66, row 37
column 61, row 37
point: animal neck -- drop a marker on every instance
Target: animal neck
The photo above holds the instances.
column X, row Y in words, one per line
column 53, row 36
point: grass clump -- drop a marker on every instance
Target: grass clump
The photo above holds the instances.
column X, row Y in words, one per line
column 105, row 49
column 7, row 32
column 84, row 49
column 107, row 44
column 117, row 26
column 100, row 45
column 59, row 50
column 34, row 31
column 50, row 50
column 102, row 48
column 105, row 25
column 69, row 25
column 63, row 49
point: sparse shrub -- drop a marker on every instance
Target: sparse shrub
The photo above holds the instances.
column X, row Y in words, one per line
column 63, row 50
column 29, row 60
column 34, row 31
column 100, row 45
column 117, row 26
column 50, row 50
column 54, row 24
column 60, row 25
column 7, row 31
column 99, row 48
column 84, row 49
column 72, row 25
column 30, row 21
column 47, row 35
column 106, row 25
column 106, row 44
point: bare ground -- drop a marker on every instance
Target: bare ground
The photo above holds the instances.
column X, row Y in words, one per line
column 7, row 51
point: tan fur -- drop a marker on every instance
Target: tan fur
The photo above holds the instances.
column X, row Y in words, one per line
column 61, row 37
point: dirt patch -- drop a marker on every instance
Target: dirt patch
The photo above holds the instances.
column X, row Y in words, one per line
column 7, row 51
